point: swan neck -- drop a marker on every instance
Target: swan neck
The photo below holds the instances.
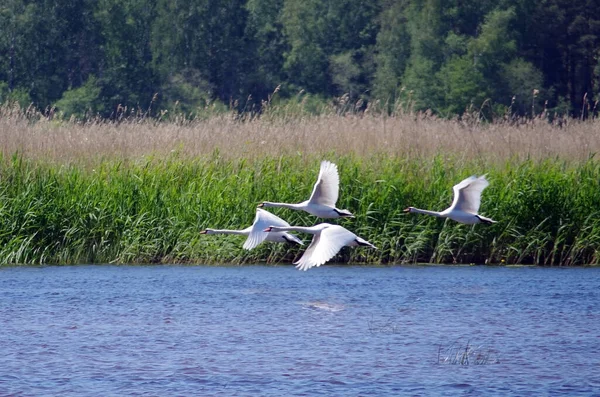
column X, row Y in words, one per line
column 227, row 231
column 280, row 205
column 300, row 229
column 427, row 212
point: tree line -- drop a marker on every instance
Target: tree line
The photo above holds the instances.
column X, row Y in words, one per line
column 98, row 57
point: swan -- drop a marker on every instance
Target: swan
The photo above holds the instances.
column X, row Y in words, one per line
column 328, row 239
column 467, row 198
column 323, row 198
column 255, row 232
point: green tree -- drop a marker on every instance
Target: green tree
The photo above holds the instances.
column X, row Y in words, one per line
column 495, row 45
column 461, row 85
column 185, row 92
column 560, row 38
column 331, row 45
column 206, row 37
column 392, row 52
column 427, row 29
column 127, row 77
column 266, row 46
column 51, row 45
column 306, row 31
column 14, row 17
column 83, row 101
column 522, row 84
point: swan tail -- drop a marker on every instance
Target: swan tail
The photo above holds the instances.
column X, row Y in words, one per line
column 485, row 220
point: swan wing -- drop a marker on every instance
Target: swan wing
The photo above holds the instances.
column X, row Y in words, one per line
column 467, row 194
column 262, row 220
column 324, row 246
column 294, row 238
column 326, row 190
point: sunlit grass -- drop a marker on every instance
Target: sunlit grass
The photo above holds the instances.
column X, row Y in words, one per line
column 288, row 132
column 138, row 190
column 150, row 209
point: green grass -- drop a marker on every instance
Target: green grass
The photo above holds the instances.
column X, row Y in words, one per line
column 151, row 210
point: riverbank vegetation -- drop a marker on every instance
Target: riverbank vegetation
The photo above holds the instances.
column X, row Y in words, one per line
column 136, row 191
column 84, row 58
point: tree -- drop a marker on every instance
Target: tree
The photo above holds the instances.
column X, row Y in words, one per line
column 51, row 46
column 523, row 82
column 126, row 76
column 306, row 31
column 392, row 52
column 330, row 45
column 461, row 85
column 206, row 37
column 437, row 53
column 426, row 29
column 83, row 101
column 264, row 35
column 495, row 44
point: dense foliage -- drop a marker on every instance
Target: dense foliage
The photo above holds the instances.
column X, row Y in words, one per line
column 111, row 57
column 548, row 212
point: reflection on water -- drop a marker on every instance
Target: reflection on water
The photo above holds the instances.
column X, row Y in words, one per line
column 330, row 307
column 256, row 330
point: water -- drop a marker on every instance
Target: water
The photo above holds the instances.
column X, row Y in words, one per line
column 272, row 331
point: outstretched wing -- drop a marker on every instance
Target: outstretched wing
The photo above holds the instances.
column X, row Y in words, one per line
column 467, row 194
column 327, row 188
column 324, row 246
column 262, row 220
column 292, row 238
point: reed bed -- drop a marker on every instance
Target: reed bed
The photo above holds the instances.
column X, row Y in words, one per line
column 151, row 209
column 136, row 190
column 407, row 135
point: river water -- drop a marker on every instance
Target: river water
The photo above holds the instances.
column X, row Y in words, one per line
column 274, row 331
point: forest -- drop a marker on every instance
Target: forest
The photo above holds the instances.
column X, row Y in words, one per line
column 162, row 57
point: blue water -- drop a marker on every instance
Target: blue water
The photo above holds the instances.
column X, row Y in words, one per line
column 274, row 331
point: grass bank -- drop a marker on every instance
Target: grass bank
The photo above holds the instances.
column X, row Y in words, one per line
column 145, row 208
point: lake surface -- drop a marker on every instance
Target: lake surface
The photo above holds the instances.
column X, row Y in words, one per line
column 274, row 331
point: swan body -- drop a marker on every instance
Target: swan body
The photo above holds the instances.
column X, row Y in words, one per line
column 327, row 241
column 323, row 198
column 255, row 233
column 465, row 206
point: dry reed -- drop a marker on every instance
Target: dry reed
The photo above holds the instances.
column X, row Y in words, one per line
column 404, row 134
column 56, row 208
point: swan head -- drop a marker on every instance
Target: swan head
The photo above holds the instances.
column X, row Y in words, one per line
column 409, row 209
column 207, row 231
column 275, row 229
column 344, row 213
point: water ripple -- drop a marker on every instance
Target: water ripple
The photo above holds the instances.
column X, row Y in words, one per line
column 255, row 330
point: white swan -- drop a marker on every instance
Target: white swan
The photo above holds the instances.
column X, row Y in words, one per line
column 323, row 198
column 464, row 208
column 255, row 233
column 328, row 239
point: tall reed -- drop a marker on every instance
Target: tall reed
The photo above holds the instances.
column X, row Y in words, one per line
column 151, row 208
column 286, row 133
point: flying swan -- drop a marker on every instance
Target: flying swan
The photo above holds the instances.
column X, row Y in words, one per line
column 328, row 239
column 255, row 233
column 323, row 198
column 464, row 208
